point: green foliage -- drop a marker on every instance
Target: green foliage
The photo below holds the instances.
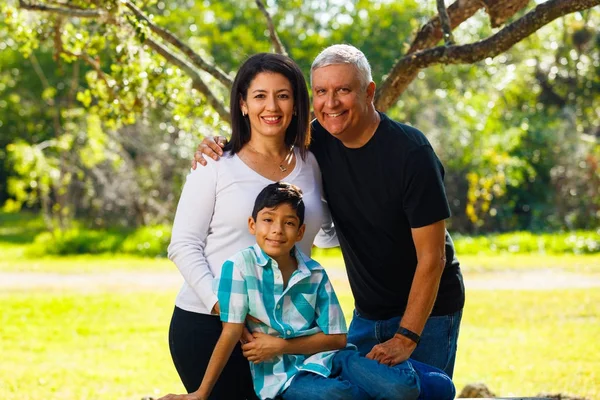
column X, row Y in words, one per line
column 577, row 242
column 76, row 241
column 115, row 123
column 146, row 241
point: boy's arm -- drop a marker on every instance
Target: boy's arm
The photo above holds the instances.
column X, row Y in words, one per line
column 264, row 347
column 231, row 334
column 329, row 318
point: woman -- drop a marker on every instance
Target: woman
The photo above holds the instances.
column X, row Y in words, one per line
column 270, row 134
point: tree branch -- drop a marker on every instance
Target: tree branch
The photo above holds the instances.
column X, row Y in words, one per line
column 445, row 21
column 184, row 48
column 197, row 81
column 66, row 11
column 429, row 35
column 279, row 48
column 496, row 44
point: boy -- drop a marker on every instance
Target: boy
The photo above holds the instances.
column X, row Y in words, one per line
column 298, row 350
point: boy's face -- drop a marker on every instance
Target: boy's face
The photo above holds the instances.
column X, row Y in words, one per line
column 276, row 229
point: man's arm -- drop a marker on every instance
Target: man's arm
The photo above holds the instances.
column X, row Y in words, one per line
column 230, row 335
column 264, row 347
column 430, row 246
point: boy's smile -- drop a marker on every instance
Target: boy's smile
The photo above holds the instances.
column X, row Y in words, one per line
column 277, row 230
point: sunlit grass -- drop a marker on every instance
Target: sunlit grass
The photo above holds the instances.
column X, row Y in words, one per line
column 81, row 346
column 521, row 343
column 114, row 345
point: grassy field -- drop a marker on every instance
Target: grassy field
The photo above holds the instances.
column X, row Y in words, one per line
column 64, row 344
column 114, row 345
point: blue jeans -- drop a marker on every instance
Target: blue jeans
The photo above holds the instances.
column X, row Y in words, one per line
column 438, row 339
column 354, row 377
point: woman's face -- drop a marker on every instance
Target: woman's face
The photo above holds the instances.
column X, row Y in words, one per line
column 269, row 104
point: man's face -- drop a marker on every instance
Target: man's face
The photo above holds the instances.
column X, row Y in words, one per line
column 339, row 101
column 277, row 230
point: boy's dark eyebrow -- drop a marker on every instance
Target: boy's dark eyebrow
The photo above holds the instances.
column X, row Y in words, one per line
column 285, row 216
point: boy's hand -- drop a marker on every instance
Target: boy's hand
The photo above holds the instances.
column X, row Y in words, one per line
column 191, row 396
column 263, row 347
column 392, row 352
column 246, row 334
column 211, row 147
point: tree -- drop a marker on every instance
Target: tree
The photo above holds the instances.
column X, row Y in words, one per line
column 164, row 69
column 126, row 17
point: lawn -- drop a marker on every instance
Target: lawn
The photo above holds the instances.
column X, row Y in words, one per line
column 114, row 345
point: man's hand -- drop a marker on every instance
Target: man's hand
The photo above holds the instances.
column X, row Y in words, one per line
column 191, row 396
column 263, row 347
column 211, row 146
column 392, row 352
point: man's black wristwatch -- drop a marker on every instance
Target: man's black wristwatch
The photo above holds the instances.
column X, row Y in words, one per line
column 409, row 334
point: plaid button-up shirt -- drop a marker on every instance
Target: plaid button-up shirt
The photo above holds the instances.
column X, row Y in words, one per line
column 252, row 284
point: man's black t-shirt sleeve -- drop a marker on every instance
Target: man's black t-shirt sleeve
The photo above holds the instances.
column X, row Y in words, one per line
column 424, row 198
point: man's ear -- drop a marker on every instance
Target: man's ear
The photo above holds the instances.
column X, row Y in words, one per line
column 251, row 226
column 300, row 233
column 371, row 92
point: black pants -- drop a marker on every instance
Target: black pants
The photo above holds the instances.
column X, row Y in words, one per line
column 192, row 338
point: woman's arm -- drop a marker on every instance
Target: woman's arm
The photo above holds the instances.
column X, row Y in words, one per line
column 190, row 228
column 264, row 347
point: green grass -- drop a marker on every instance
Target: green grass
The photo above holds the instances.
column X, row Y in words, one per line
column 83, row 346
column 114, row 345
column 584, row 263
column 101, row 345
column 524, row 343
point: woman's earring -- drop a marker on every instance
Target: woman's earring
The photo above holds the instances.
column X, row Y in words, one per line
column 244, row 113
column 294, row 111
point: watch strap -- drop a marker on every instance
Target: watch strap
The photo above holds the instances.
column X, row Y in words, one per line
column 409, row 334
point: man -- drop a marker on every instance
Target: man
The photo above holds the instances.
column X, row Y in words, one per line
column 384, row 186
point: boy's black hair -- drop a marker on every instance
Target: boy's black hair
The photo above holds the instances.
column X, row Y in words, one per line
column 278, row 193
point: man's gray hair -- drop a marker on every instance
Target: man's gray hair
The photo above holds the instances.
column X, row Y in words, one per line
column 344, row 54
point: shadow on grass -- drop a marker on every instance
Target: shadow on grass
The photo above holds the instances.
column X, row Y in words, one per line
column 20, row 228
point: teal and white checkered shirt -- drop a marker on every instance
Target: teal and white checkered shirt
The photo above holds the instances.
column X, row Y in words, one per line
column 252, row 284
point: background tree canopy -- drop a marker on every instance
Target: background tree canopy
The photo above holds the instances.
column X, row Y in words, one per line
column 103, row 102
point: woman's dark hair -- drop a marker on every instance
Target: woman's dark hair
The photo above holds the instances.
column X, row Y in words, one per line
column 298, row 133
column 279, row 193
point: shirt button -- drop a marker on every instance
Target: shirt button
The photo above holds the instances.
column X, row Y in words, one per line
column 278, row 306
column 289, row 332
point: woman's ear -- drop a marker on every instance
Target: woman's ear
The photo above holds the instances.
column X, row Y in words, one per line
column 243, row 107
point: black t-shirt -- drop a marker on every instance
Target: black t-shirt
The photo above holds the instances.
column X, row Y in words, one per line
column 376, row 194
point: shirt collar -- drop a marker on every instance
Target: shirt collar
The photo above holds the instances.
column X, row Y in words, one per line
column 262, row 258
column 305, row 263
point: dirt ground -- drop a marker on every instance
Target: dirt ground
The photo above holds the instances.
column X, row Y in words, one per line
column 127, row 281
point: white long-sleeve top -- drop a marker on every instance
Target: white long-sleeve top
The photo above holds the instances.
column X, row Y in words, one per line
column 211, row 222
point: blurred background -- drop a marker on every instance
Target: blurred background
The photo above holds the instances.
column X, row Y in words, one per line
column 101, row 111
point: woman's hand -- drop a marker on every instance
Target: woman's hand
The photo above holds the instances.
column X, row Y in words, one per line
column 263, row 347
